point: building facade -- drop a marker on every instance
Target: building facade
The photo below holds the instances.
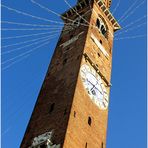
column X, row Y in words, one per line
column 72, row 107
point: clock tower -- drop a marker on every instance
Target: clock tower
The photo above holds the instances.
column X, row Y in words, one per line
column 72, row 107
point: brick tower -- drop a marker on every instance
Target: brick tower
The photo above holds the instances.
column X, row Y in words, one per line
column 72, row 108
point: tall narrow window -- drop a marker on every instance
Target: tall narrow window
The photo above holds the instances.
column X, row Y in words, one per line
column 101, row 41
column 99, row 55
column 65, row 111
column 102, row 145
column 89, row 121
column 65, row 61
column 51, row 107
column 86, row 145
column 98, row 23
column 74, row 114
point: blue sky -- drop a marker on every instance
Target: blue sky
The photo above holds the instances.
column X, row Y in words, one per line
column 23, row 72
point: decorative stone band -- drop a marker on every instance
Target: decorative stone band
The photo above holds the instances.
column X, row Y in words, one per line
column 71, row 40
column 44, row 139
column 99, row 45
column 87, row 58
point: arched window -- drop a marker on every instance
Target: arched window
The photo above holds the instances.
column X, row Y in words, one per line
column 102, row 26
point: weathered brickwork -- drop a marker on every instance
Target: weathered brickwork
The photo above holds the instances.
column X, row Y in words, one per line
column 63, row 104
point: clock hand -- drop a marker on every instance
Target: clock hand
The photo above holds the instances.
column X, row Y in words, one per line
column 90, row 82
column 98, row 89
column 94, row 86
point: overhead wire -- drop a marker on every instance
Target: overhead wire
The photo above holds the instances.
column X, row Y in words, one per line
column 76, row 12
column 28, row 45
column 8, row 66
column 35, row 25
column 51, row 11
column 25, row 53
column 125, row 13
column 30, row 15
column 131, row 37
column 130, row 13
column 25, row 29
column 114, row 10
column 19, row 43
column 129, row 29
column 36, row 34
column 25, row 24
column 133, row 22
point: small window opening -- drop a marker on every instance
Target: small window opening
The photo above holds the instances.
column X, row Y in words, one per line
column 83, row 4
column 65, row 111
column 102, row 145
column 103, row 30
column 89, row 121
column 87, row 2
column 101, row 41
column 86, row 145
column 100, row 3
column 43, row 146
column 78, row 57
column 71, row 36
column 65, row 61
column 98, row 23
column 82, row 20
column 74, row 114
column 81, row 13
column 78, row 7
column 52, row 107
column 98, row 54
column 110, row 50
column 67, row 49
column 76, row 23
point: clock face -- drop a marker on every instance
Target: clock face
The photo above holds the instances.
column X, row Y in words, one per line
column 94, row 86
